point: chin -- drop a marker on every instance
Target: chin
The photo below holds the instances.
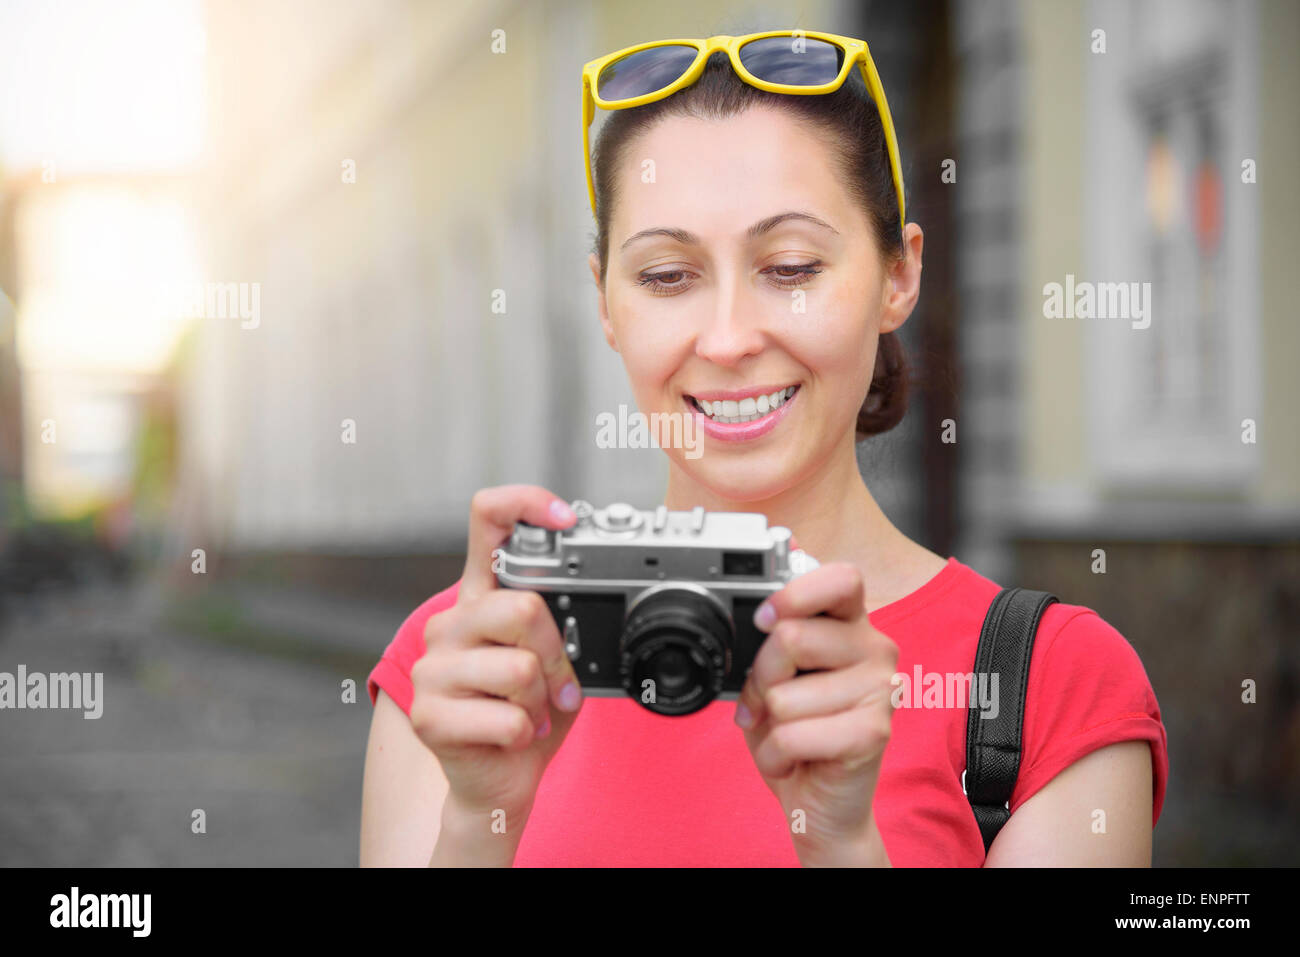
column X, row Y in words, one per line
column 741, row 479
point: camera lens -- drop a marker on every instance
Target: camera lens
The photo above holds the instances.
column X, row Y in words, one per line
column 676, row 650
column 674, row 670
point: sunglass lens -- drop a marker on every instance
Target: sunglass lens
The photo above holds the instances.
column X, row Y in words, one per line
column 643, row 72
column 797, row 61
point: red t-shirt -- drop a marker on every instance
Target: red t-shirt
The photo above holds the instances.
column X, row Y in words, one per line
column 632, row 788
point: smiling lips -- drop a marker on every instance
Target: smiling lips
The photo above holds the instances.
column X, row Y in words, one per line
column 730, row 409
column 742, row 415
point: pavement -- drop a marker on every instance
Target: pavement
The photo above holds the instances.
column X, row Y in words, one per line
column 245, row 723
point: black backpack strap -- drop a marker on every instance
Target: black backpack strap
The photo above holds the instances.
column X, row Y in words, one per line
column 993, row 744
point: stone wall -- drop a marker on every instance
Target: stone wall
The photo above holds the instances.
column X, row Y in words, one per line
column 1205, row 616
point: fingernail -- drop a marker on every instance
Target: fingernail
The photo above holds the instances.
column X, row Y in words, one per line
column 570, row 696
column 545, row 729
column 561, row 512
column 764, row 617
column 743, row 717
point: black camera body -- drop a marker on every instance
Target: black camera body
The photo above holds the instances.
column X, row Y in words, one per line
column 658, row 605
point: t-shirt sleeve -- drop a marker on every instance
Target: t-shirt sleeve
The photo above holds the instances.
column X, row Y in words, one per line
column 393, row 672
column 1087, row 689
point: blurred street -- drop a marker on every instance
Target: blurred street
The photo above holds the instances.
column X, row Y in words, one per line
column 261, row 742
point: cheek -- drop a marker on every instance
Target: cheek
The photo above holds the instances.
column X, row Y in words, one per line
column 838, row 344
column 652, row 350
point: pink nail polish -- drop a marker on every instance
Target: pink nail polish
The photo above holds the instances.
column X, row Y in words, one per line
column 561, row 512
column 570, row 696
column 743, row 717
column 545, row 729
column 764, row 617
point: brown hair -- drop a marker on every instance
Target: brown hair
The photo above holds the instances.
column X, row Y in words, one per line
column 850, row 119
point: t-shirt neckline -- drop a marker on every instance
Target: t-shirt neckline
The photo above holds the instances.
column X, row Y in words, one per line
column 914, row 601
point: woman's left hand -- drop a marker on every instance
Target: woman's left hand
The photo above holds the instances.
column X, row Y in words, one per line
column 818, row 700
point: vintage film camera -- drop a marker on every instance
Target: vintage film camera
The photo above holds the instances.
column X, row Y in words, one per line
column 655, row 604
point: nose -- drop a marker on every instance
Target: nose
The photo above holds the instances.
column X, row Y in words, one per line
column 734, row 328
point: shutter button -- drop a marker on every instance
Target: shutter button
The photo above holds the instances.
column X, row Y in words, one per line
column 532, row 539
column 619, row 517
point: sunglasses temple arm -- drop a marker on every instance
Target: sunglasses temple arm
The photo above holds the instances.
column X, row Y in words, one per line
column 877, row 91
column 588, row 114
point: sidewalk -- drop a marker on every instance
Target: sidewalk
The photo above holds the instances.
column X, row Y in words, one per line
column 253, row 731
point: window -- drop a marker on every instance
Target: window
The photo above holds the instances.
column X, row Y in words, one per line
column 1170, row 115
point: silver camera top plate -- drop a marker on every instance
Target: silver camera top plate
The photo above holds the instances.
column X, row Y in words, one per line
column 619, row 547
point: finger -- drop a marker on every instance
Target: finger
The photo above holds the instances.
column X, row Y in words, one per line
column 492, row 516
column 510, row 673
column 515, row 616
column 857, row 738
column 445, row 723
column 834, row 590
column 795, row 645
column 825, row 692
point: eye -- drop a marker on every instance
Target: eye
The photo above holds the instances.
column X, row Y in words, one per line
column 794, row 274
column 788, row 276
column 663, row 283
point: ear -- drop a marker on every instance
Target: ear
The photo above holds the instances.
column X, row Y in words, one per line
column 594, row 262
column 902, row 286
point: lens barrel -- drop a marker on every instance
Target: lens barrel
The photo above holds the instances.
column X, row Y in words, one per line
column 675, row 651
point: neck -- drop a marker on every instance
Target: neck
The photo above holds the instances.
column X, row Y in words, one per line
column 834, row 518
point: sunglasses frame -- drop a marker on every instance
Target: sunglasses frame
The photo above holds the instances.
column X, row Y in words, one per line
column 855, row 52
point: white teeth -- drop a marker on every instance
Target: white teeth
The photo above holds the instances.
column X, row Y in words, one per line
column 730, row 412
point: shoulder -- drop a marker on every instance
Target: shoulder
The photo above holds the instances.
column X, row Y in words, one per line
column 1078, row 649
column 393, row 671
column 1087, row 688
column 1074, row 646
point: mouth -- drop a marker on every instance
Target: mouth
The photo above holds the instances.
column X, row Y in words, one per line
column 752, row 408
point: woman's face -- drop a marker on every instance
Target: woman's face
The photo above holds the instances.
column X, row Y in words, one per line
column 710, row 292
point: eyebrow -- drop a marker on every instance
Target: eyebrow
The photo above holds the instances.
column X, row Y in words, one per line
column 758, row 229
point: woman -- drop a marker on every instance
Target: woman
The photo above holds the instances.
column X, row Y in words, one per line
column 765, row 261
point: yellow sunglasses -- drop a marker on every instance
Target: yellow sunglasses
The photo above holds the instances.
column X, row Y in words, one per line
column 801, row 62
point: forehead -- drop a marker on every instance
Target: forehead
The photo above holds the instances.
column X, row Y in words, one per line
column 722, row 174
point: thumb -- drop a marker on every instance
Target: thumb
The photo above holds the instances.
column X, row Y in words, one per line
column 493, row 513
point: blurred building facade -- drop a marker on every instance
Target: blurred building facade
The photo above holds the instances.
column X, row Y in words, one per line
column 383, row 383
column 11, row 431
column 1159, row 467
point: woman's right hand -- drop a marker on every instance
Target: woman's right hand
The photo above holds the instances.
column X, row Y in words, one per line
column 495, row 693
